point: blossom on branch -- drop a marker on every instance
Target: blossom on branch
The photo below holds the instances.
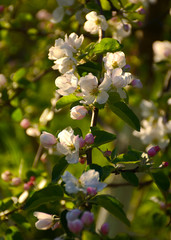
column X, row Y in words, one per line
column 114, row 60
column 87, row 179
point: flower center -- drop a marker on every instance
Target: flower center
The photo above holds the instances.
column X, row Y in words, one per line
column 114, row 64
column 95, row 92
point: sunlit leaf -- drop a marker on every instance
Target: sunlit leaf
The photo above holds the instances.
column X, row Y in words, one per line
column 66, row 100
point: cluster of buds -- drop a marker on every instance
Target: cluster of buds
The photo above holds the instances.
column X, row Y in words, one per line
column 77, row 220
column 30, row 183
column 31, row 131
column 7, row 177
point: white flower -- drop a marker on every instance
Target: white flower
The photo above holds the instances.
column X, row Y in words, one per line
column 120, row 32
column 58, row 14
column 114, row 60
column 148, row 109
column 65, row 64
column 69, row 145
column 92, row 92
column 3, row 81
column 162, row 50
column 153, row 132
column 74, row 41
column 67, row 84
column 95, row 22
column 46, row 116
column 87, row 179
column 60, row 50
column 120, row 79
column 45, row 221
column 78, row 112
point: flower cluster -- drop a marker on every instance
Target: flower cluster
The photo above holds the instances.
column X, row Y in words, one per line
column 155, row 128
column 162, row 51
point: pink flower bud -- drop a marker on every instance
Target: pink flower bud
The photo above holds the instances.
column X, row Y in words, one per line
column 16, row 181
column 107, row 153
column 89, row 138
column 87, row 218
column 141, row 11
column 73, row 214
column 153, row 151
column 75, row 226
column 137, row 83
column 82, row 160
column 81, row 142
column 91, row 191
column 25, row 123
column 47, row 139
column 6, row 176
column 165, row 164
column 26, row 186
column 78, row 112
column 104, row 229
column 127, row 67
column 32, row 178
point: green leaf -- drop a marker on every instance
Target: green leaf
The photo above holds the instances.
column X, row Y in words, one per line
column 106, row 45
column 90, row 236
column 66, row 100
column 161, row 180
column 18, row 75
column 21, row 221
column 58, row 169
column 106, row 171
column 131, row 178
column 89, row 67
column 17, row 115
column 131, row 156
column 50, row 193
column 112, row 205
column 13, row 233
column 77, row 131
column 114, row 97
column 101, row 137
column 125, row 113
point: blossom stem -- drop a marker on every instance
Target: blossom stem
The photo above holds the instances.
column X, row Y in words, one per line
column 37, row 157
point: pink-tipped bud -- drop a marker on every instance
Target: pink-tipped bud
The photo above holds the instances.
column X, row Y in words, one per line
column 91, row 191
column 16, row 181
column 6, row 176
column 89, row 138
column 104, row 229
column 78, row 112
column 165, row 164
column 141, row 11
column 126, row 27
column 47, row 139
column 75, row 226
column 26, row 186
column 32, row 178
column 25, row 123
column 82, row 160
column 73, row 214
column 107, row 153
column 82, row 142
column 153, row 151
column 1, row 8
column 137, row 83
column 87, row 218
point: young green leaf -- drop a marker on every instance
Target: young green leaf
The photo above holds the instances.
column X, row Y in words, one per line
column 58, row 169
column 89, row 67
column 45, row 195
column 131, row 178
column 101, row 137
column 106, row 45
column 66, row 100
column 125, row 113
column 112, row 205
column 161, row 180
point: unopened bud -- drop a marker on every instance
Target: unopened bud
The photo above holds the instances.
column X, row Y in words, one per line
column 87, row 218
column 81, row 142
column 78, row 112
column 47, row 139
column 165, row 164
column 153, row 151
column 104, row 229
column 32, row 178
column 82, row 160
column 91, row 191
column 16, row 181
column 25, row 123
column 107, row 153
column 141, row 11
column 26, row 186
column 126, row 27
column 75, row 226
column 6, row 176
column 89, row 138
column 73, row 214
column 137, row 83
column 127, row 67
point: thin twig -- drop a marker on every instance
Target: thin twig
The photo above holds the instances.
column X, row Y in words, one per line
column 37, row 157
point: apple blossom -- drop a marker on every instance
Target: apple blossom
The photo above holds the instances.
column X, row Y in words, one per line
column 91, row 191
column 119, row 33
column 45, row 221
column 47, row 139
column 74, row 41
column 69, row 145
column 92, row 92
column 57, row 14
column 16, row 181
column 119, row 78
column 6, row 176
column 81, row 142
column 114, row 60
column 148, row 109
column 65, row 64
column 87, row 179
column 95, row 22
column 162, row 50
column 78, row 112
column 89, row 138
column 25, row 123
column 66, row 83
